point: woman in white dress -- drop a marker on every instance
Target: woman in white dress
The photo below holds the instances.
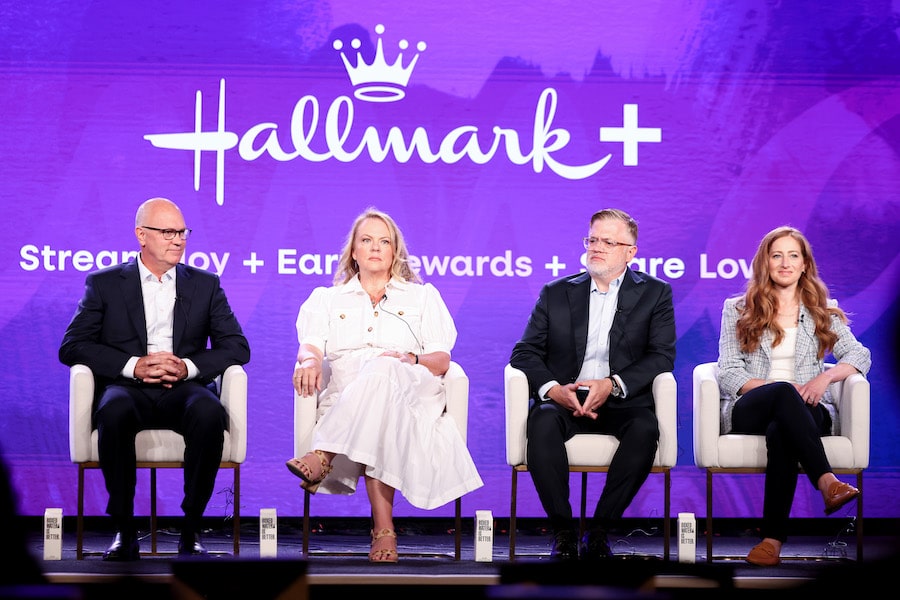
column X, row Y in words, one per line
column 387, row 337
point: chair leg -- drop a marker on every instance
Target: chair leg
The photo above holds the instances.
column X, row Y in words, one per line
column 512, row 517
column 709, row 503
column 305, row 523
column 667, row 503
column 79, row 527
column 458, row 545
column 582, row 520
column 237, row 510
column 859, row 518
column 153, row 510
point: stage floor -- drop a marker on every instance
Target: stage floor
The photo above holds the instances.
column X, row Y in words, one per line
column 338, row 560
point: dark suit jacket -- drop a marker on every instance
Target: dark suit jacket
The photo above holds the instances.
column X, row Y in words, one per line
column 642, row 336
column 109, row 326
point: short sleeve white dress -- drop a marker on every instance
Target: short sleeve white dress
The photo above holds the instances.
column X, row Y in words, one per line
column 381, row 416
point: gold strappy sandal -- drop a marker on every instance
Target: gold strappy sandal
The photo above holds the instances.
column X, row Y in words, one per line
column 302, row 469
column 384, row 555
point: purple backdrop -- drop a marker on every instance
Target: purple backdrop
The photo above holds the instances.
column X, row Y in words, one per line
column 710, row 122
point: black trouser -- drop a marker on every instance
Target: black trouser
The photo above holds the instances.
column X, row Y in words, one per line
column 188, row 408
column 550, row 426
column 793, row 431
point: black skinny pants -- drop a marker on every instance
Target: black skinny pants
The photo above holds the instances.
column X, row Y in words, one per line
column 550, row 426
column 793, row 431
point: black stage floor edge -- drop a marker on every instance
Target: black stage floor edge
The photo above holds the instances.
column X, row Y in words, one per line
column 819, row 557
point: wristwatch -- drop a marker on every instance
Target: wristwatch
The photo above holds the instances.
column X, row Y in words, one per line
column 616, row 390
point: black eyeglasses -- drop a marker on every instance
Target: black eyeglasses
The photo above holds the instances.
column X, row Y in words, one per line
column 608, row 244
column 169, row 234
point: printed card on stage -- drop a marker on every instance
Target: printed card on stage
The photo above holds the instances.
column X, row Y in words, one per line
column 484, row 536
column 687, row 538
column 268, row 533
column 53, row 534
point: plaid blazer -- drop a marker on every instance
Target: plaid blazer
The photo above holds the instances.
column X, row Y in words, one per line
column 737, row 367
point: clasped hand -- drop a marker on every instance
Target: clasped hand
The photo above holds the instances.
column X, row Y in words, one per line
column 402, row 356
column 160, row 367
column 567, row 396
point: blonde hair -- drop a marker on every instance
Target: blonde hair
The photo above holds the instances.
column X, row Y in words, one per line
column 348, row 268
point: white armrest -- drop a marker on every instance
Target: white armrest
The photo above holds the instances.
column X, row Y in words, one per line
column 305, row 417
column 456, row 391
column 706, row 415
column 665, row 394
column 81, row 400
column 853, row 398
column 234, row 398
column 233, row 387
column 665, row 398
column 516, row 400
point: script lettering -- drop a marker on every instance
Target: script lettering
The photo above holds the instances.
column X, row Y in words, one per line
column 337, row 135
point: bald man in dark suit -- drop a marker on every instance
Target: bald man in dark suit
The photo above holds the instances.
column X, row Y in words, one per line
column 156, row 333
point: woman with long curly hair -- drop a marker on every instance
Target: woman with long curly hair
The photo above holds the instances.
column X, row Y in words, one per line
column 387, row 337
column 772, row 348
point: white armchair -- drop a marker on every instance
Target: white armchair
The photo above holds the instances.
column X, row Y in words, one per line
column 589, row 453
column 735, row 453
column 156, row 448
column 456, row 385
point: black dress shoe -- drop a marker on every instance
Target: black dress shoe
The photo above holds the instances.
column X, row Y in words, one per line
column 123, row 548
column 565, row 545
column 595, row 545
column 190, row 545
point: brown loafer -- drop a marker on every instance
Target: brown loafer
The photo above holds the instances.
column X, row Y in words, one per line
column 839, row 494
column 764, row 554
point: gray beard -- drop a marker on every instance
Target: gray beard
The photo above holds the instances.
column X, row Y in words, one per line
column 600, row 273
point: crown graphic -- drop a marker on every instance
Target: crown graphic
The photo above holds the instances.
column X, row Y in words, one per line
column 379, row 81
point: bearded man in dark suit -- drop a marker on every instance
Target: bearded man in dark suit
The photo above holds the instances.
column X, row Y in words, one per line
column 593, row 345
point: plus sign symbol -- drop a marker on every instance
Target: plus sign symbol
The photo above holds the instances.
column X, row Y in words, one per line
column 630, row 134
column 555, row 266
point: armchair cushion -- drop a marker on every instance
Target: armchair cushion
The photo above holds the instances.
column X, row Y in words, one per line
column 156, row 448
column 850, row 450
column 456, row 386
column 156, row 445
column 589, row 452
column 746, row 453
column 589, row 449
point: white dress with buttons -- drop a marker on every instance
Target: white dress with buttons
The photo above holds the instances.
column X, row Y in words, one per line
column 384, row 417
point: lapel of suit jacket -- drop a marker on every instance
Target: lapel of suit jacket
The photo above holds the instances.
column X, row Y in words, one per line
column 579, row 293
column 629, row 295
column 184, row 291
column 134, row 300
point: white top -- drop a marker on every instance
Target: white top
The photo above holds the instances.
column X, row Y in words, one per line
column 341, row 322
column 379, row 415
column 782, row 366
